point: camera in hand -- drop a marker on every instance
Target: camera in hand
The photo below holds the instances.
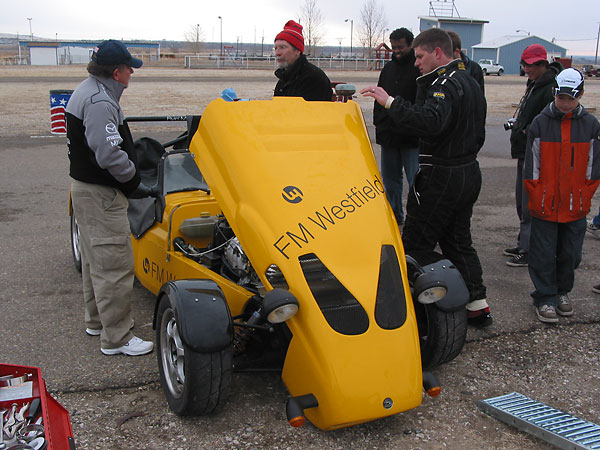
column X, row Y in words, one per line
column 510, row 123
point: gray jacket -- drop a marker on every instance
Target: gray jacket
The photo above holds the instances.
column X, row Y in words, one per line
column 95, row 123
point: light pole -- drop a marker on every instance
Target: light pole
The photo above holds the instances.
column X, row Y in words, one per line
column 221, row 23
column 597, row 40
column 524, row 31
column 30, row 32
column 351, row 33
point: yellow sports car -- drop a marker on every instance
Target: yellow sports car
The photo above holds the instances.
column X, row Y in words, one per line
column 270, row 241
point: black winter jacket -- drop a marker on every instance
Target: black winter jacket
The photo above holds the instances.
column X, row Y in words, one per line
column 303, row 79
column 474, row 70
column 448, row 116
column 537, row 95
column 398, row 78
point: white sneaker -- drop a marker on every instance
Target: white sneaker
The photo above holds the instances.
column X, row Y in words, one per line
column 134, row 347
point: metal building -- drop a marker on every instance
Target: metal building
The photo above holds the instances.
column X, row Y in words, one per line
column 469, row 30
column 53, row 53
column 507, row 50
column 444, row 14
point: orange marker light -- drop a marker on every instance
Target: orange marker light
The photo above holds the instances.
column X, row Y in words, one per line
column 434, row 391
column 297, row 421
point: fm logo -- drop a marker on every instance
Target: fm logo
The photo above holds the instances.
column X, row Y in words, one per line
column 292, row 194
column 146, row 265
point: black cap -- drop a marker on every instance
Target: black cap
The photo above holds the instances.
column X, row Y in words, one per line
column 113, row 53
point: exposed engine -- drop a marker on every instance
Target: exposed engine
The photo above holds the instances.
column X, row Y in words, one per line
column 223, row 255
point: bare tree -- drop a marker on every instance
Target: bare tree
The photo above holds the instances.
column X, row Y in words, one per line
column 312, row 22
column 194, row 36
column 371, row 25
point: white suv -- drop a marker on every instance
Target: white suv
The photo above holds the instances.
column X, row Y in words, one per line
column 488, row 66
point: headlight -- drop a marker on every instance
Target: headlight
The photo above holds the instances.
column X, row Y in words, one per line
column 279, row 305
column 282, row 313
column 428, row 288
column 432, row 295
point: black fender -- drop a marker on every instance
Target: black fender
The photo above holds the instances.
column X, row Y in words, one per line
column 203, row 318
column 457, row 295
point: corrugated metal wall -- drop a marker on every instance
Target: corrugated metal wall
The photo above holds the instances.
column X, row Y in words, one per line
column 509, row 55
column 470, row 33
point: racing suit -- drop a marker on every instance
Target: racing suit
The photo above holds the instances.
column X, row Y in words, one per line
column 303, row 79
column 449, row 118
column 103, row 171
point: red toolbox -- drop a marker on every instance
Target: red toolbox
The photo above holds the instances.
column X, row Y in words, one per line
column 56, row 422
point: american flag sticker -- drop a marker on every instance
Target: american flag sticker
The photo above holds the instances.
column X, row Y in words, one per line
column 58, row 103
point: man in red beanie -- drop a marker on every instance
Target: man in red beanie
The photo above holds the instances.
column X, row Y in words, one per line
column 539, row 92
column 298, row 77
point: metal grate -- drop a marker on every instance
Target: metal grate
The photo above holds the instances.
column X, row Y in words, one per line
column 549, row 424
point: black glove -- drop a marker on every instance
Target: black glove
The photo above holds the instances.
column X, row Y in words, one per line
column 142, row 191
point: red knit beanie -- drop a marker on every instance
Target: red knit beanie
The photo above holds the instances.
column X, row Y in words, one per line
column 292, row 33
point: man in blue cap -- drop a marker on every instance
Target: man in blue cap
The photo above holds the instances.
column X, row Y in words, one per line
column 103, row 171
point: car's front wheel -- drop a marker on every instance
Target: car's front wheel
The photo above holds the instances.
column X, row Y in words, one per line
column 194, row 383
column 500, row 72
column 75, row 243
column 442, row 334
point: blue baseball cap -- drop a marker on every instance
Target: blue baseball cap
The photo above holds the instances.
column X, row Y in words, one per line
column 114, row 53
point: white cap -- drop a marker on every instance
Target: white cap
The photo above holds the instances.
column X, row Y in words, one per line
column 570, row 82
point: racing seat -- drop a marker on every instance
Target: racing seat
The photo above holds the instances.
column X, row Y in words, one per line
column 142, row 212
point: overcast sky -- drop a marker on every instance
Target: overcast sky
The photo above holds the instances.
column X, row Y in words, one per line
column 573, row 24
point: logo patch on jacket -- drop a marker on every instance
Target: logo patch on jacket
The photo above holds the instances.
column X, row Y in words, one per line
column 439, row 95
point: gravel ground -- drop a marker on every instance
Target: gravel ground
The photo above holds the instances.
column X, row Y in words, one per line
column 117, row 402
column 533, row 363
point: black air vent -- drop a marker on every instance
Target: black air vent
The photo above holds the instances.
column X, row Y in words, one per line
column 390, row 306
column 339, row 307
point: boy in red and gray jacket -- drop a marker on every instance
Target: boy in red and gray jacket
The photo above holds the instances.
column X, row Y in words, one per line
column 561, row 173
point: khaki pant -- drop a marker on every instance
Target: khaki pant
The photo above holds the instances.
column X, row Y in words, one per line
column 106, row 260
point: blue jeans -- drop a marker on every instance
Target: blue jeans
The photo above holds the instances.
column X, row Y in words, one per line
column 392, row 162
column 522, row 210
column 554, row 253
column 596, row 219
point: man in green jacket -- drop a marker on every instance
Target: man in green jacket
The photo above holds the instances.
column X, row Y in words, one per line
column 539, row 92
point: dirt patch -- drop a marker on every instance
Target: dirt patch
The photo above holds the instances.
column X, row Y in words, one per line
column 176, row 91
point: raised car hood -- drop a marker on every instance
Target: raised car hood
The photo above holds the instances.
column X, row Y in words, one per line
column 296, row 178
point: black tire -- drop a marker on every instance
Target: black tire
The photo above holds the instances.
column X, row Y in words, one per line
column 194, row 383
column 75, row 243
column 500, row 72
column 484, row 72
column 442, row 334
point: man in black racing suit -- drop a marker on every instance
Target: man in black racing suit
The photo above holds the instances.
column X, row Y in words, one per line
column 449, row 119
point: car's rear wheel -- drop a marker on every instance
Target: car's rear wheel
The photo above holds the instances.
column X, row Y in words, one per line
column 442, row 334
column 194, row 383
column 75, row 243
column 500, row 72
column 484, row 72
